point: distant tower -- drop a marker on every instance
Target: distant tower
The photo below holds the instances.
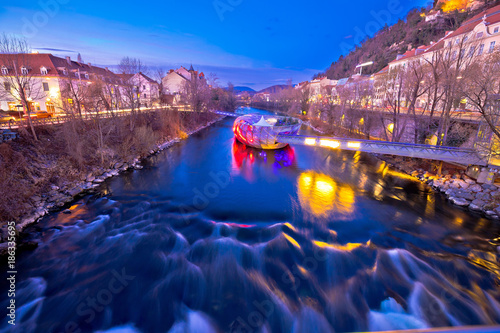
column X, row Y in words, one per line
column 191, row 69
column 80, row 60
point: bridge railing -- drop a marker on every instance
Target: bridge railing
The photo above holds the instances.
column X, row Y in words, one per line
column 461, row 156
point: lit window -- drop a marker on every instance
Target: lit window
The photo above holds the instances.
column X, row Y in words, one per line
column 492, row 47
column 5, row 71
column 43, row 71
column 45, row 86
column 24, row 71
column 481, row 49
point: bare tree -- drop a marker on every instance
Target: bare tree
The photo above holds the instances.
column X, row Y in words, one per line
column 20, row 81
column 75, row 92
column 131, row 91
column 196, row 93
column 481, row 83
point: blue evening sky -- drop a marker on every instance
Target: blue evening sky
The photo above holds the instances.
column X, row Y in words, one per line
column 254, row 43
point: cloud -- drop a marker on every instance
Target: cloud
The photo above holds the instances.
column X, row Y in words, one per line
column 53, row 50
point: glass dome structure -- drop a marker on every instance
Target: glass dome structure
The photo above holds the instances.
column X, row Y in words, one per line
column 261, row 131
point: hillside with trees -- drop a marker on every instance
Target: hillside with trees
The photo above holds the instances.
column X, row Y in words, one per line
column 406, row 34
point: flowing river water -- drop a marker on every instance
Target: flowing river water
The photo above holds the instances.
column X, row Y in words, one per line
column 213, row 236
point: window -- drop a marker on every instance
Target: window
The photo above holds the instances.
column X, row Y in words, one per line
column 6, row 86
column 24, row 71
column 43, row 71
column 479, row 35
column 45, row 86
column 86, row 75
column 77, row 74
column 145, row 95
column 65, row 71
column 454, row 55
column 466, row 38
column 492, row 47
column 481, row 49
column 496, row 30
column 143, row 87
column 5, row 71
column 462, row 53
column 457, row 41
column 471, row 51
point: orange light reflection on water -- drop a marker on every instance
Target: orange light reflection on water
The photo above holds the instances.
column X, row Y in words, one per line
column 321, row 195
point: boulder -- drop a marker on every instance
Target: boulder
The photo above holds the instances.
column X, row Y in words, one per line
column 98, row 180
column 476, row 188
column 483, row 196
column 464, row 195
column 475, row 208
column 489, row 187
column 478, row 203
column 470, row 181
column 118, row 165
column 460, row 202
column 75, row 191
column 491, row 214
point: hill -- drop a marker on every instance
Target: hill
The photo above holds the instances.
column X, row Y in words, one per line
column 238, row 90
column 274, row 89
column 412, row 32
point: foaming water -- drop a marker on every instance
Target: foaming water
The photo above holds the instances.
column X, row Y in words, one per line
column 212, row 236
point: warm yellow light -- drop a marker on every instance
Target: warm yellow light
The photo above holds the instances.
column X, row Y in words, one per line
column 362, row 121
column 310, row 141
column 329, row 143
column 48, row 99
column 390, row 127
column 356, row 145
column 291, row 240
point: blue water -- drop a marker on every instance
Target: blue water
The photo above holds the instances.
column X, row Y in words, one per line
column 213, row 236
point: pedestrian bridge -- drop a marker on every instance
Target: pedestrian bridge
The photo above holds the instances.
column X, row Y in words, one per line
column 447, row 154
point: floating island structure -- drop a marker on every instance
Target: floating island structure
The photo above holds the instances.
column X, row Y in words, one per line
column 261, row 131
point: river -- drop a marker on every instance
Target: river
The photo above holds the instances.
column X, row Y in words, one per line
column 213, row 236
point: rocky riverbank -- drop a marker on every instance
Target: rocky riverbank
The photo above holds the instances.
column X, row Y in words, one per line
column 459, row 189
column 59, row 198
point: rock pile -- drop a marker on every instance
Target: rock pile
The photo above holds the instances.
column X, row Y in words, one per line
column 465, row 192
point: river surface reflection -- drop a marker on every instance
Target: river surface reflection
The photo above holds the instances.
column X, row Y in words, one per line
column 213, row 236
